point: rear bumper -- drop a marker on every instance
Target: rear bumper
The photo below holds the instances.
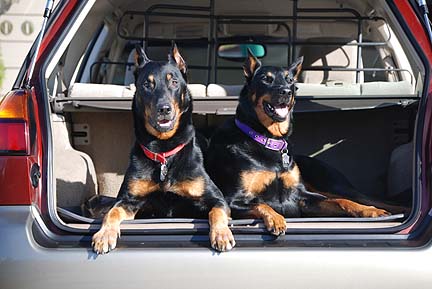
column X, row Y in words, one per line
column 26, row 264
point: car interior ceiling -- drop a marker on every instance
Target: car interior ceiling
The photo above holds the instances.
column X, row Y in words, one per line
column 358, row 91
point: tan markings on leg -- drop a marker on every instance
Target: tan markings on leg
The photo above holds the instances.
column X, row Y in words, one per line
column 274, row 222
column 339, row 207
column 163, row 135
column 106, row 238
column 254, row 182
column 116, row 215
column 278, row 129
column 142, row 188
column 189, row 188
column 291, row 178
column 221, row 237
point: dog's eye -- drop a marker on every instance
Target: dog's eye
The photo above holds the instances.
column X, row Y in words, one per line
column 268, row 79
column 174, row 83
column 147, row 85
column 289, row 79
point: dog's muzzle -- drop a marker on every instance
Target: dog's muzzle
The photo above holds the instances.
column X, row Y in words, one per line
column 165, row 116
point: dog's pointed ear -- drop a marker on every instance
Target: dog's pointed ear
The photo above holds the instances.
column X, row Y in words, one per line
column 175, row 58
column 251, row 65
column 295, row 67
column 140, row 56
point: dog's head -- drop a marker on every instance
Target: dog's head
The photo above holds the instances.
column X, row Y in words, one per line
column 161, row 95
column 270, row 90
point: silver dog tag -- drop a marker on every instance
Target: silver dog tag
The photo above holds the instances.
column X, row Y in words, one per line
column 285, row 160
column 163, row 172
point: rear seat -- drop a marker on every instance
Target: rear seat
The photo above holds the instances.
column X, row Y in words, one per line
column 387, row 88
column 330, row 88
column 197, row 89
column 112, row 90
column 101, row 90
column 221, row 90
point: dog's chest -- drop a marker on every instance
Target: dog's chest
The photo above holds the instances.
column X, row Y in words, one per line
column 268, row 183
column 171, row 205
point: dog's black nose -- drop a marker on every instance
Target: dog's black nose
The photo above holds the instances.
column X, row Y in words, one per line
column 284, row 91
column 164, row 109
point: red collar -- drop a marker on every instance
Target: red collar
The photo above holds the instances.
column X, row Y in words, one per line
column 161, row 157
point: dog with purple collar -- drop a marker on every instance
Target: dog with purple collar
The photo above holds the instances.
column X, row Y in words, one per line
column 250, row 158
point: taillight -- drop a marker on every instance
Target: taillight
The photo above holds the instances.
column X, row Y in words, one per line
column 14, row 123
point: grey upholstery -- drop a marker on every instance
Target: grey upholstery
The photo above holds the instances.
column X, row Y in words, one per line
column 74, row 170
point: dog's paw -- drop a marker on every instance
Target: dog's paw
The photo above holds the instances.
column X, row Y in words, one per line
column 105, row 240
column 275, row 224
column 372, row 212
column 221, row 239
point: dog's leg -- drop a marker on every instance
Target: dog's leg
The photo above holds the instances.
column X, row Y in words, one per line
column 211, row 200
column 274, row 222
column 245, row 202
column 221, row 237
column 131, row 198
column 105, row 239
column 366, row 201
column 314, row 204
column 338, row 206
column 244, row 207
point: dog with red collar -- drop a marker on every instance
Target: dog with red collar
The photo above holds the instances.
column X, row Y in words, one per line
column 166, row 176
column 262, row 179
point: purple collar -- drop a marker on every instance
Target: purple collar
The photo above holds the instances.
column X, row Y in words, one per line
column 270, row 143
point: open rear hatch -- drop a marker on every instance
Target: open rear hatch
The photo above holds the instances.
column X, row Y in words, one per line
column 357, row 105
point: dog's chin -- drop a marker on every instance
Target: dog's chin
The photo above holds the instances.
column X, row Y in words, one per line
column 278, row 113
column 164, row 125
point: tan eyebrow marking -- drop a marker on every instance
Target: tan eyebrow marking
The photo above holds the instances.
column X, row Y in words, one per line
column 151, row 78
column 169, row 76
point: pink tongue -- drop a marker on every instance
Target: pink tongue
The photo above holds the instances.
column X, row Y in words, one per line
column 282, row 112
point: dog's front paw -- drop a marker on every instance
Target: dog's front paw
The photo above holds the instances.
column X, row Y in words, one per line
column 275, row 223
column 105, row 240
column 372, row 212
column 222, row 239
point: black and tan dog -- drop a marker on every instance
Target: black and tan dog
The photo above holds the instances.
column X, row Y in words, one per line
column 250, row 159
column 166, row 176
